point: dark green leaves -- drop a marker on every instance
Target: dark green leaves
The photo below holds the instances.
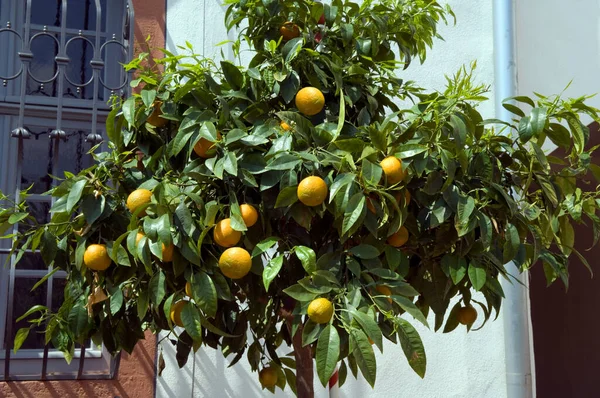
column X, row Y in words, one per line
column 307, row 257
column 412, row 346
column 328, row 352
column 204, row 293
column 233, row 75
column 355, row 213
column 271, row 270
column 157, row 288
column 190, row 316
column 363, row 355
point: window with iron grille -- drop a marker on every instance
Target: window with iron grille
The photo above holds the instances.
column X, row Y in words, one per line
column 61, row 62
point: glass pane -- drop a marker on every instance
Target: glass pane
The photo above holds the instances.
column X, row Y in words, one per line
column 79, row 71
column 81, row 14
column 38, row 152
column 43, row 66
column 46, row 12
column 58, row 292
column 24, row 300
column 31, row 261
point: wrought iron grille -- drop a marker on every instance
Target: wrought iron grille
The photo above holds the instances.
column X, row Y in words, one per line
column 62, row 103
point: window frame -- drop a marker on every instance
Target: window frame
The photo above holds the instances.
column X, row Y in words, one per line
column 55, row 113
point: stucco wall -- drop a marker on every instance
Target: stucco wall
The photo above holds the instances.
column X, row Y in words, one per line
column 459, row 365
column 559, row 41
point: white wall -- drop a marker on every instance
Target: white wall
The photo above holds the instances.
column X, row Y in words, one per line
column 559, row 41
column 459, row 365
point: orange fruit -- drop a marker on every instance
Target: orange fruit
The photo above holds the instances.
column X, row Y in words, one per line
column 268, row 377
column 310, row 101
column 399, row 238
column 188, row 289
column 289, row 31
column 176, row 309
column 167, row 252
column 392, row 168
column 403, row 194
column 224, row 235
column 138, row 237
column 312, row 191
column 96, row 257
column 137, row 199
column 235, row 263
column 467, row 315
column 284, row 126
column 154, row 119
column 320, row 310
column 205, row 148
column 371, row 203
column 249, row 214
column 385, row 291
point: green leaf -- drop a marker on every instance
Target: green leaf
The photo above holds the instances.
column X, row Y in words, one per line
column 190, row 317
column 340, row 181
column 455, row 267
column 328, row 353
column 157, row 288
column 477, row 275
column 17, row 217
column 298, row 292
column 148, row 97
column 20, row 338
column 272, row 270
column 307, row 257
column 287, row 197
column 204, row 293
column 116, row 300
column 291, row 49
column 409, row 150
column 412, row 346
column 511, row 245
column 75, row 194
column 35, row 308
column 371, row 172
column 364, row 355
column 264, row 245
column 233, row 75
column 284, row 162
column 355, row 212
column 365, row 252
column 78, row 320
column 368, row 325
column 410, row 307
column 129, row 111
column 92, row 207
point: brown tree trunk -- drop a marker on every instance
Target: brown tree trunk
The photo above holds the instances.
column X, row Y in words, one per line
column 304, row 367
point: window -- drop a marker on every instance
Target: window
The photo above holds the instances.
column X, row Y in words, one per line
column 61, row 63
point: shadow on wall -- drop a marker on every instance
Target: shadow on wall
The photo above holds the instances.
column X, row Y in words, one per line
column 150, row 20
column 135, row 380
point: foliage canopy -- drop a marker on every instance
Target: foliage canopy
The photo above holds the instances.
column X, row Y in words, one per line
column 474, row 196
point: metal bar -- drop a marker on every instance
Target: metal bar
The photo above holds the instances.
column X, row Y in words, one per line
column 115, row 366
column 97, row 65
column 55, row 136
column 81, row 362
column 20, row 133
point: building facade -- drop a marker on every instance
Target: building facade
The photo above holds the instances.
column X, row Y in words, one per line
column 63, row 63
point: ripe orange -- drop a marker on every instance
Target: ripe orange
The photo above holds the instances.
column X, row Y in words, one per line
column 235, row 263
column 268, row 377
column 138, row 237
column 312, row 191
column 176, row 309
column 385, row 291
column 167, row 252
column 320, row 310
column 399, row 238
column 154, row 119
column 96, row 257
column 289, row 31
column 137, row 199
column 284, row 126
column 224, row 235
column 310, row 101
column 467, row 315
column 403, row 194
column 188, row 289
column 249, row 214
column 392, row 168
column 205, row 148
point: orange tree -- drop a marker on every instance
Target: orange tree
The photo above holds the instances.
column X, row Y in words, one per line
column 295, row 203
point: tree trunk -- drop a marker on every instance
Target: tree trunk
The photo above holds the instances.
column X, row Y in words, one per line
column 304, row 365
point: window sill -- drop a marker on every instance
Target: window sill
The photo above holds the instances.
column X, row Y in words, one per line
column 52, row 354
